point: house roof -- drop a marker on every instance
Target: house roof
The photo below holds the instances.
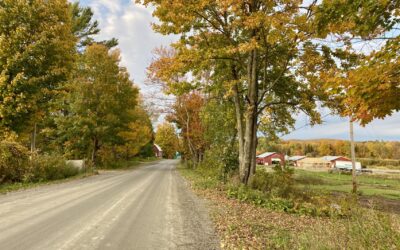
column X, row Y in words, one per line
column 331, row 158
column 296, row 157
column 311, row 160
column 158, row 147
column 266, row 154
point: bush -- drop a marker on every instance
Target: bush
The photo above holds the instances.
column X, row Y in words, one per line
column 105, row 157
column 147, row 151
column 278, row 183
column 115, row 164
column 223, row 160
column 51, row 167
column 246, row 194
column 14, row 162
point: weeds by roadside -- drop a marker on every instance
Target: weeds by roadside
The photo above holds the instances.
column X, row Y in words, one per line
column 10, row 187
column 246, row 218
column 52, row 170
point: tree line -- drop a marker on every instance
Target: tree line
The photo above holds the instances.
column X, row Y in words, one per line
column 61, row 92
column 245, row 67
column 378, row 150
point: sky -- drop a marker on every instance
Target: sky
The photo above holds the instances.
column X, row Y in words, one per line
column 130, row 23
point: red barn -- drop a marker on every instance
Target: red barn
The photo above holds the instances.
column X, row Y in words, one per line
column 157, row 151
column 334, row 159
column 269, row 158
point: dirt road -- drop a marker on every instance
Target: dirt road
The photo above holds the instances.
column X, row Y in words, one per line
column 147, row 208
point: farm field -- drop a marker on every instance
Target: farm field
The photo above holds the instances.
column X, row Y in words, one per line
column 387, row 186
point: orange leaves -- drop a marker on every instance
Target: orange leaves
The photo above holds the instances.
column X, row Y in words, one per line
column 168, row 69
column 186, row 114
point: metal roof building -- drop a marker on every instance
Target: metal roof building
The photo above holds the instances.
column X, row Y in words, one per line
column 269, row 158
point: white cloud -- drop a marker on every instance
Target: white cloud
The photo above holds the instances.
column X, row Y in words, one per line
column 130, row 23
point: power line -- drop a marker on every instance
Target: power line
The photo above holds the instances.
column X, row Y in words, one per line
column 308, row 124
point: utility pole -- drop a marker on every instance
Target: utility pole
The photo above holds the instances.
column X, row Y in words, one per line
column 353, row 156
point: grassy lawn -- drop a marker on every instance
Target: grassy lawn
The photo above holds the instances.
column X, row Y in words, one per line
column 369, row 185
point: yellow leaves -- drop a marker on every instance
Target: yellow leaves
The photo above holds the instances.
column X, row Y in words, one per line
column 342, row 27
column 229, row 85
column 245, row 47
column 256, row 20
column 221, row 35
column 229, row 5
column 368, row 91
column 137, row 136
column 167, row 139
column 37, row 49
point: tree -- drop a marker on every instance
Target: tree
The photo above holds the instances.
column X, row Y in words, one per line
column 365, row 81
column 341, row 148
column 37, row 50
column 100, row 101
column 324, row 148
column 218, row 119
column 186, row 115
column 252, row 50
column 364, row 85
column 138, row 133
column 84, row 27
column 167, row 139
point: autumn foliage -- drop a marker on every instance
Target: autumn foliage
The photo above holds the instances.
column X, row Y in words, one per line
column 186, row 114
column 167, row 139
column 63, row 93
column 274, row 59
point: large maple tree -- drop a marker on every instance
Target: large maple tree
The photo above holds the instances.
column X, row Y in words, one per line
column 271, row 58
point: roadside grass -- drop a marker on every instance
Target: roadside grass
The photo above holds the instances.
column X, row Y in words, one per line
column 127, row 164
column 121, row 165
column 18, row 186
column 242, row 223
column 369, row 185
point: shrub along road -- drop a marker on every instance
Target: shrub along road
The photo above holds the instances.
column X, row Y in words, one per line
column 147, row 208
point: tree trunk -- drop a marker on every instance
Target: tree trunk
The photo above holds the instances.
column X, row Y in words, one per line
column 193, row 151
column 95, row 149
column 33, row 140
column 239, row 124
column 254, row 149
column 250, row 134
column 127, row 153
column 239, row 121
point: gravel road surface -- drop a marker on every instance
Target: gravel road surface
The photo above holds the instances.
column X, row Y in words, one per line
column 147, row 208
